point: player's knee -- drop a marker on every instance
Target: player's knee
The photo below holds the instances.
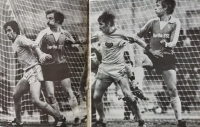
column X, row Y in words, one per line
column 173, row 92
column 35, row 101
column 51, row 100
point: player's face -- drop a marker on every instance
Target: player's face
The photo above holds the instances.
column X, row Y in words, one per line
column 51, row 20
column 94, row 57
column 10, row 33
column 160, row 11
column 104, row 27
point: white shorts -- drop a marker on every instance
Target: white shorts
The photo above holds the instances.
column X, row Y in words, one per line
column 34, row 74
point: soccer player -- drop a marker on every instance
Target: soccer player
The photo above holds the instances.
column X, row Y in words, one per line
column 53, row 40
column 112, row 68
column 32, row 77
column 165, row 31
column 140, row 60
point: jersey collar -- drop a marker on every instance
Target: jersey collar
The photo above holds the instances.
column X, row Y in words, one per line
column 172, row 19
column 48, row 31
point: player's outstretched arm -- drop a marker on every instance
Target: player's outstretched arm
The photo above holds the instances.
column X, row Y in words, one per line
column 139, row 41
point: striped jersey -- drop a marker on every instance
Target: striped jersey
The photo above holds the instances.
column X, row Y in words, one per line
column 53, row 44
column 22, row 47
column 111, row 52
column 170, row 32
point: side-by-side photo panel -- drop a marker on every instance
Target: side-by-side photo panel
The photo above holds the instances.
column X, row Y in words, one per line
column 144, row 63
column 43, row 65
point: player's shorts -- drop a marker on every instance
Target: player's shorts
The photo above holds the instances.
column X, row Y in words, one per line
column 167, row 62
column 55, row 72
column 111, row 72
column 33, row 74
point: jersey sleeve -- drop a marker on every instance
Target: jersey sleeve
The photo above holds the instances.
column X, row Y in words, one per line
column 145, row 29
column 175, row 34
column 39, row 38
column 95, row 37
column 25, row 42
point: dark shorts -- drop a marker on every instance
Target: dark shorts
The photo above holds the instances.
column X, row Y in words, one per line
column 167, row 62
column 55, row 72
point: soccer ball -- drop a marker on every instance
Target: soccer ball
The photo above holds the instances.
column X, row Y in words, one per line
column 157, row 109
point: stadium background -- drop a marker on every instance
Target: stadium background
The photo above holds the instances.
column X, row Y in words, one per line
column 30, row 14
column 131, row 16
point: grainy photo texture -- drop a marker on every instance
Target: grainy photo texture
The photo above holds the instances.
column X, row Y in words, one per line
column 43, row 64
column 145, row 63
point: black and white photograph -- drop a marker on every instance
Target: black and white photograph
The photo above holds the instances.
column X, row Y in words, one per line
column 145, row 63
column 43, row 63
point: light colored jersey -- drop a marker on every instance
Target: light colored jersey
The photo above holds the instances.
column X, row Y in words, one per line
column 169, row 32
column 22, row 47
column 111, row 52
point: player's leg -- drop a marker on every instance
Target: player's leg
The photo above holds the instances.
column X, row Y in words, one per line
column 66, row 86
column 131, row 100
column 83, row 83
column 99, row 90
column 51, row 100
column 170, row 80
column 35, row 89
column 49, row 86
column 21, row 88
column 93, row 115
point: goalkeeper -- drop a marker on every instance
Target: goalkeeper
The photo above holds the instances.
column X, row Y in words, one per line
column 32, row 77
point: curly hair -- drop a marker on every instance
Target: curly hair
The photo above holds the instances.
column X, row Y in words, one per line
column 14, row 25
column 107, row 16
column 59, row 16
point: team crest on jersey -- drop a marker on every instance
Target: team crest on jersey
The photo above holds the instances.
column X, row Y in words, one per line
column 109, row 45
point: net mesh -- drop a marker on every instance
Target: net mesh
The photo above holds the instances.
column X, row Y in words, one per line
column 30, row 14
column 133, row 15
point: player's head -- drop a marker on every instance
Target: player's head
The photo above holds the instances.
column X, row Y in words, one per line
column 164, row 6
column 11, row 29
column 54, row 17
column 106, row 21
column 95, row 58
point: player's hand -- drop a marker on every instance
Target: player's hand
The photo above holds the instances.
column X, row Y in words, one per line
column 44, row 57
column 156, row 53
column 123, row 43
column 163, row 42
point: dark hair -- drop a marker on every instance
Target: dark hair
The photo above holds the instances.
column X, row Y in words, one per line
column 170, row 4
column 98, row 54
column 14, row 25
column 107, row 16
column 59, row 16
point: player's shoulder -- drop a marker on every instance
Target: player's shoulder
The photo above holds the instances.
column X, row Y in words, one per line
column 174, row 20
column 153, row 20
column 123, row 33
column 65, row 32
column 20, row 38
column 45, row 31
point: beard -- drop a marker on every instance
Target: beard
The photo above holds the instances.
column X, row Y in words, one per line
column 50, row 25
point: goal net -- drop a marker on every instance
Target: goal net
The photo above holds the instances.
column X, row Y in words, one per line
column 133, row 15
column 30, row 14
